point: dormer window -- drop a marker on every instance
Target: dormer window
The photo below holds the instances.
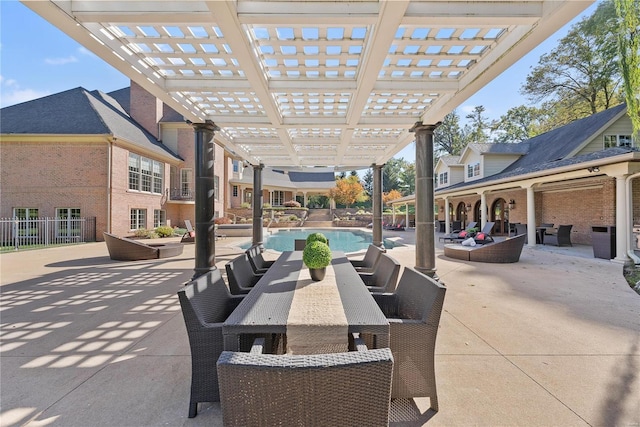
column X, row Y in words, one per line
column 617, row 141
column 473, row 170
column 444, row 178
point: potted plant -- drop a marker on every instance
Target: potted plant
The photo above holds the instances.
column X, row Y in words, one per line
column 317, row 237
column 317, row 256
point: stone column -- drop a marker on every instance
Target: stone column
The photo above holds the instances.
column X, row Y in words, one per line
column 447, row 216
column 531, row 217
column 425, row 233
column 257, row 201
column 377, row 205
column 483, row 210
column 205, row 241
column 622, row 224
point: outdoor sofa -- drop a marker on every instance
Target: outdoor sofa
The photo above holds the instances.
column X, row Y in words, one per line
column 123, row 249
column 504, row 251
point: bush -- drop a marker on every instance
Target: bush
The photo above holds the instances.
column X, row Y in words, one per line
column 266, row 206
column 245, row 205
column 316, row 255
column 153, row 235
column 317, row 237
column 164, row 231
column 141, row 232
column 222, row 220
column 292, row 204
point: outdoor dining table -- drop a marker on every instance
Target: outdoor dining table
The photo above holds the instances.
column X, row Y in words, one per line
column 315, row 317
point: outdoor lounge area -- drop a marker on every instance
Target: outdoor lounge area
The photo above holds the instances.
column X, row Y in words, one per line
column 92, row 341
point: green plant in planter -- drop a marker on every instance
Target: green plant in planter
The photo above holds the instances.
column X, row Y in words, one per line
column 317, row 237
column 316, row 255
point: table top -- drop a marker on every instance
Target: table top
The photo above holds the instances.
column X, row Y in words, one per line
column 267, row 308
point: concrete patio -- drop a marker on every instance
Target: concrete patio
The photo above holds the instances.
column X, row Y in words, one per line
column 553, row 340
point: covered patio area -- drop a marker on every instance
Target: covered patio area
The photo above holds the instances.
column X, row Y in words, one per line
column 551, row 340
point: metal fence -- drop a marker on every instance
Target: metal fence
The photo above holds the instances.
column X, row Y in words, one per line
column 17, row 233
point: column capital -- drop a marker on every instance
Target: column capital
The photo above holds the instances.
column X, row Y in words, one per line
column 376, row 166
column 419, row 127
column 258, row 166
column 208, row 125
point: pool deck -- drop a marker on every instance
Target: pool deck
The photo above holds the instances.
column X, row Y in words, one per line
column 553, row 340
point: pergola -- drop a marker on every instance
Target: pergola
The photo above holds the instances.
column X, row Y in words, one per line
column 300, row 84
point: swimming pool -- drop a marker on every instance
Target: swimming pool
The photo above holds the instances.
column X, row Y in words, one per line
column 345, row 240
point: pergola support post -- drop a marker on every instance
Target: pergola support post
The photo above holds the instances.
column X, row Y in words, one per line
column 257, row 200
column 377, row 205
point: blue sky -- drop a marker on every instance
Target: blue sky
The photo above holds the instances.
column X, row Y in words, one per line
column 37, row 59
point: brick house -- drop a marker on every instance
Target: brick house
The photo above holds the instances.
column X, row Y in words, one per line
column 582, row 174
column 124, row 158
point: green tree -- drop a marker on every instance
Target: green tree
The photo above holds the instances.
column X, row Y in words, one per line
column 408, row 177
column 580, row 76
column 392, row 174
column 518, row 124
column 367, row 182
column 449, row 137
column 628, row 38
column 477, row 128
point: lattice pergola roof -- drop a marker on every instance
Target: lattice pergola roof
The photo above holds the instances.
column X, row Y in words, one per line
column 313, row 83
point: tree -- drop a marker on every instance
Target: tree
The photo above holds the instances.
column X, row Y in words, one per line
column 628, row 38
column 348, row 191
column 390, row 196
column 408, row 177
column 476, row 130
column 367, row 180
column 392, row 174
column 353, row 173
column 448, row 137
column 580, row 76
column 518, row 124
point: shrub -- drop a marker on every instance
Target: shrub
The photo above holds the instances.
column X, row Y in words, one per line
column 164, row 231
column 293, row 218
column 153, row 235
column 245, row 205
column 316, row 255
column 292, row 204
column 317, row 237
column 266, row 206
column 222, row 220
column 141, row 232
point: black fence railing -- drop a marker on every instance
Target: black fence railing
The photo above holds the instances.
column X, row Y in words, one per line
column 17, row 233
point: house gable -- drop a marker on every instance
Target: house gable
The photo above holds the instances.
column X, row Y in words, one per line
column 448, row 171
column 619, row 126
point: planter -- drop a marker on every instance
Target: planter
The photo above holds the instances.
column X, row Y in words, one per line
column 317, row 274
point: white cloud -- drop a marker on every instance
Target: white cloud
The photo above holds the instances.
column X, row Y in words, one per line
column 84, row 51
column 61, row 61
column 11, row 93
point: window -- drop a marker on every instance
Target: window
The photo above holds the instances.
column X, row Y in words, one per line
column 145, row 174
column 277, row 198
column 30, row 226
column 216, row 187
column 234, row 191
column 67, row 224
column 185, row 182
column 159, row 218
column 444, row 178
column 618, row 141
column 138, row 218
column 235, row 164
column 473, row 170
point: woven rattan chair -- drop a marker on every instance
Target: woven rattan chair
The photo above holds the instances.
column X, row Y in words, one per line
column 501, row 252
column 257, row 261
column 338, row 389
column 414, row 314
column 205, row 303
column 560, row 238
column 123, row 249
column 240, row 275
column 370, row 259
column 384, row 277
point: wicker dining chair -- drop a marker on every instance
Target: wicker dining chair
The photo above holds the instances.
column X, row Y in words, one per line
column 336, row 389
column 258, row 263
column 369, row 261
column 413, row 312
column 384, row 277
column 205, row 303
column 560, row 237
column 240, row 275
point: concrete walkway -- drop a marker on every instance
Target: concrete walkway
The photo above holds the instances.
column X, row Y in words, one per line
column 553, row 340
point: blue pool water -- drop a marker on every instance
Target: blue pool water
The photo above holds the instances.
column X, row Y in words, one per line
column 339, row 240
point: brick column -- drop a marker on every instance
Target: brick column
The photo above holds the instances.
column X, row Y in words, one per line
column 205, row 242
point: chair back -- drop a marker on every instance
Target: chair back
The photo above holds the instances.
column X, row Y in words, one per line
column 472, row 224
column 546, row 225
column 256, row 259
column 488, row 226
column 240, row 275
column 372, row 256
column 349, row 388
column 300, row 244
column 188, row 226
column 385, row 275
column 419, row 297
column 204, row 300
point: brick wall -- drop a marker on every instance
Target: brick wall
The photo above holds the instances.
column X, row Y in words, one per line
column 145, row 108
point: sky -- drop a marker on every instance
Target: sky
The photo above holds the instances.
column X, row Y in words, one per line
column 37, row 59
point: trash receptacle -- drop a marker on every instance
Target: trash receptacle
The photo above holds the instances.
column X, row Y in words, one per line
column 603, row 240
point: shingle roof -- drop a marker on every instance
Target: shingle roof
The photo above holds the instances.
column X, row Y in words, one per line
column 292, row 179
column 451, row 160
column 501, row 148
column 79, row 112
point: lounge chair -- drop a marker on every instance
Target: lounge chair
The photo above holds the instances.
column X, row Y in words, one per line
column 399, row 226
column 190, row 235
column 123, row 249
column 559, row 237
column 455, row 234
column 337, row 389
column 504, row 251
column 414, row 313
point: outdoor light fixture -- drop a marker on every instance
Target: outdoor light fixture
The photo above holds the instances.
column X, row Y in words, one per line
column 512, row 204
column 468, row 207
column 593, row 169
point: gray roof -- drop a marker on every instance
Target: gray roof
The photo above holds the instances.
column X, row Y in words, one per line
column 291, row 179
column 501, row 148
column 79, row 112
column 451, row 160
column 550, row 150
